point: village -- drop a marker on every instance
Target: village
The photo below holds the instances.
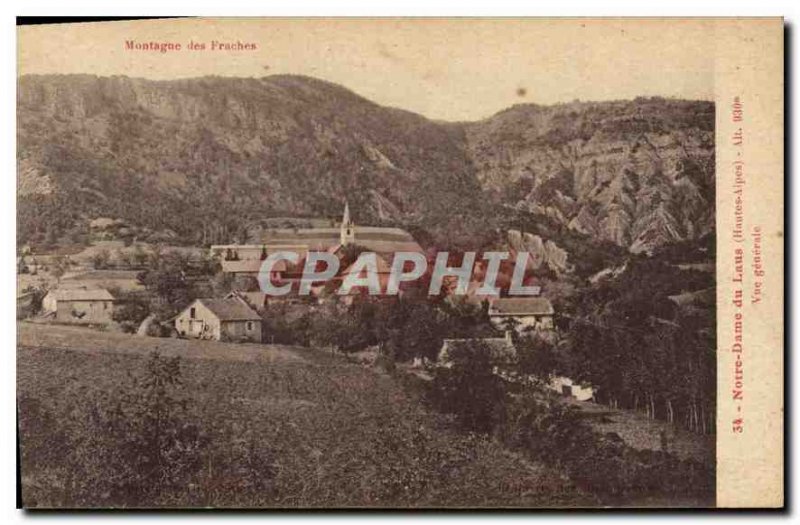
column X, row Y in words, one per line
column 106, row 287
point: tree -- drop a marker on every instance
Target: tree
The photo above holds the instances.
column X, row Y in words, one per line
column 350, row 253
column 59, row 267
column 51, row 238
column 130, row 311
column 156, row 252
column 536, row 357
column 469, row 388
column 169, row 284
column 148, row 448
column 139, row 256
column 640, row 351
column 122, row 258
column 100, row 259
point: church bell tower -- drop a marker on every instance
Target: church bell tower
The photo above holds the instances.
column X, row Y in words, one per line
column 347, row 230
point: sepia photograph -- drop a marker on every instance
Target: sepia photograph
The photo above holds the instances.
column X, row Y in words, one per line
column 378, row 263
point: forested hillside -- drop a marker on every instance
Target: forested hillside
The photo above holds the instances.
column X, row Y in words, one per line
column 204, row 158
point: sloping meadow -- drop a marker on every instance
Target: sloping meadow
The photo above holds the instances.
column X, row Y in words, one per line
column 104, row 429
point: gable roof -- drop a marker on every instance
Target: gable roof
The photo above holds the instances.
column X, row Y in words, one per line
column 373, row 238
column 253, row 299
column 380, row 265
column 251, row 266
column 232, row 309
column 81, row 294
column 521, row 306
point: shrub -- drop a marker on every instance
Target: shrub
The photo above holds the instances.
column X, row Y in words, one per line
column 271, row 433
column 130, row 311
column 469, row 388
column 602, row 464
column 131, row 446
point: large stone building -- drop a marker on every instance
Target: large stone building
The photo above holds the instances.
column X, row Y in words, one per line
column 245, row 260
column 302, row 240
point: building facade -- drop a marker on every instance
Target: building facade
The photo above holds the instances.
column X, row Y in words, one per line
column 522, row 313
column 79, row 306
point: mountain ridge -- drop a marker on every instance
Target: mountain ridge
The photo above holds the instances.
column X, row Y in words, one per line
column 203, row 156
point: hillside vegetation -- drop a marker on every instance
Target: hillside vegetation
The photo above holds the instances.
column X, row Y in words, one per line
column 123, row 427
column 208, row 157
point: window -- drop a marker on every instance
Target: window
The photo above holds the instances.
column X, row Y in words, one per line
column 249, row 325
column 192, row 313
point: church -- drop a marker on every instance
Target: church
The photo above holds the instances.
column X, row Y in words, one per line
column 381, row 240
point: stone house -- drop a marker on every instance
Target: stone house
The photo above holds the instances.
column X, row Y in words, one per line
column 525, row 313
column 569, row 388
column 79, row 305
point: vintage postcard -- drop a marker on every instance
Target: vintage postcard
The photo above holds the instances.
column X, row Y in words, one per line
column 400, row 263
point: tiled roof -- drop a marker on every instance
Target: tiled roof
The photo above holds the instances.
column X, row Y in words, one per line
column 375, row 239
column 521, row 306
column 231, row 309
column 254, row 299
column 81, row 294
column 380, row 263
column 251, row 266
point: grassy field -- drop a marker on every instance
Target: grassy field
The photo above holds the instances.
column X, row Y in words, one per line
column 274, row 427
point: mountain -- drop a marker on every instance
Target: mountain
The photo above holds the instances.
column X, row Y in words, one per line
column 637, row 173
column 209, row 157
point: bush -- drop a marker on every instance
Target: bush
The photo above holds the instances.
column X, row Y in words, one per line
column 132, row 446
column 546, row 430
column 529, row 419
column 101, row 259
column 270, row 433
column 130, row 311
column 469, row 388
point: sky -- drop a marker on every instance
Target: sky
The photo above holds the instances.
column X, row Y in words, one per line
column 445, row 69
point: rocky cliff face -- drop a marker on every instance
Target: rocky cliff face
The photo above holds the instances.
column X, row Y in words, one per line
column 543, row 253
column 206, row 157
column 639, row 174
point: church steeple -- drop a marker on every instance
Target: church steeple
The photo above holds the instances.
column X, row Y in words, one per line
column 347, row 234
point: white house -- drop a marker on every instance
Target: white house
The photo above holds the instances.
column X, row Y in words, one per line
column 526, row 313
column 567, row 387
column 230, row 319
